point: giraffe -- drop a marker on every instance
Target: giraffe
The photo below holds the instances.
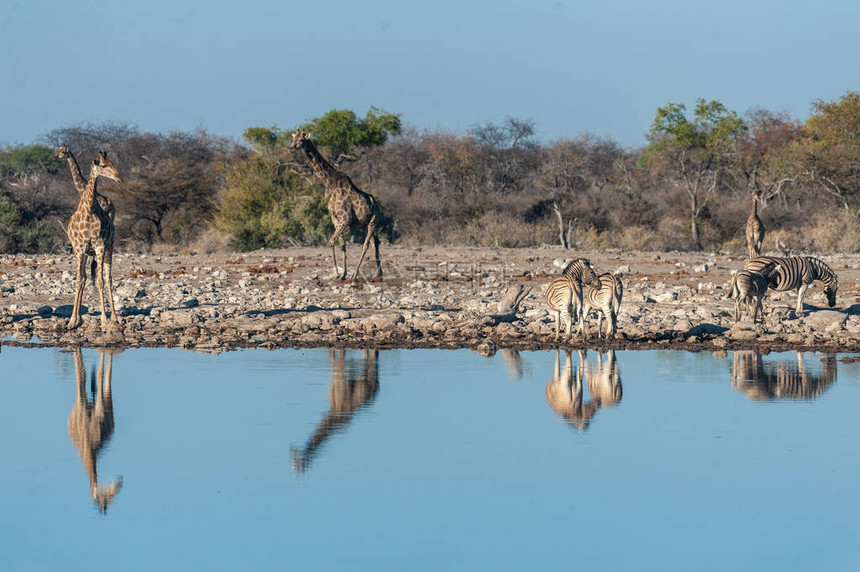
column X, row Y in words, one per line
column 91, row 426
column 63, row 152
column 348, row 392
column 348, row 205
column 91, row 232
column 755, row 228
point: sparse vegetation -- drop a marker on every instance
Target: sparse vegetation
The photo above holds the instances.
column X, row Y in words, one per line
column 494, row 185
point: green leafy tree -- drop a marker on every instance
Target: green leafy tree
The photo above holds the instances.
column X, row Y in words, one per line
column 25, row 160
column 829, row 154
column 693, row 151
column 19, row 232
column 271, row 200
column 340, row 133
column 266, row 203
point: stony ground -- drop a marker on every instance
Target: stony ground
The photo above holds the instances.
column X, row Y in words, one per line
column 430, row 297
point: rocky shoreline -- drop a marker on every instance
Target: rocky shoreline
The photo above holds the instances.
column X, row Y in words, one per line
column 431, row 297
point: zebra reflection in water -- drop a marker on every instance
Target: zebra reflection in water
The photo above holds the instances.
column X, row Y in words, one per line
column 353, row 387
column 780, row 379
column 565, row 395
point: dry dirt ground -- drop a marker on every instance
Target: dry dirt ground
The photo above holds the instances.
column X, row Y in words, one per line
column 440, row 297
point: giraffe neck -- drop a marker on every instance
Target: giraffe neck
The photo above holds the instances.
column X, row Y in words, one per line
column 326, row 172
column 77, row 176
column 754, row 206
column 88, row 196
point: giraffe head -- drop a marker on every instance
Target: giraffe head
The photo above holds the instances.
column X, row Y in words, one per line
column 62, row 152
column 103, row 167
column 299, row 140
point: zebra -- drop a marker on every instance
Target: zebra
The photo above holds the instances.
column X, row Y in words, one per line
column 561, row 299
column 797, row 273
column 581, row 272
column 604, row 295
column 750, row 287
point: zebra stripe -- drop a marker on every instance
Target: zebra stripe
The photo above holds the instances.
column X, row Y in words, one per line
column 797, row 273
column 750, row 287
column 581, row 272
column 560, row 299
column 604, row 295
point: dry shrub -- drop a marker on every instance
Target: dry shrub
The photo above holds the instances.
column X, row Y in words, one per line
column 736, row 245
column 674, row 234
column 834, row 231
column 211, row 241
column 638, row 238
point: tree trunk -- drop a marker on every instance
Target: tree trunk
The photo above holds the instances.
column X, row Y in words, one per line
column 694, row 224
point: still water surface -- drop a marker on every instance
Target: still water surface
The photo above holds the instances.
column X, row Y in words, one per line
column 157, row 459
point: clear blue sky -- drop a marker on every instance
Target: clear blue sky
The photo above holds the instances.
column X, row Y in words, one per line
column 602, row 66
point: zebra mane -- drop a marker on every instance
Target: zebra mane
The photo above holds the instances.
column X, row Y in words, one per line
column 578, row 269
column 823, row 272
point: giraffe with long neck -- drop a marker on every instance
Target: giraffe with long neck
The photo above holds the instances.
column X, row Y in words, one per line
column 351, row 389
column 91, row 232
column 348, row 205
column 755, row 228
column 63, row 152
column 91, row 426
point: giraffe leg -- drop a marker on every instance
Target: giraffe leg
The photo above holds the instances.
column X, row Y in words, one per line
column 338, row 235
column 108, row 271
column 376, row 252
column 371, row 231
column 100, row 257
column 343, row 251
column 80, row 281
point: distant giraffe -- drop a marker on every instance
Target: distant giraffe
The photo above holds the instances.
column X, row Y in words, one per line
column 755, row 228
column 350, row 390
column 348, row 205
column 91, row 232
column 91, row 426
column 63, row 152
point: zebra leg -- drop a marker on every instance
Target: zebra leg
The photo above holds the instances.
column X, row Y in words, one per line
column 800, row 292
column 557, row 323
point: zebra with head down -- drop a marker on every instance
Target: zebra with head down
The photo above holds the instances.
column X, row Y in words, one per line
column 797, row 273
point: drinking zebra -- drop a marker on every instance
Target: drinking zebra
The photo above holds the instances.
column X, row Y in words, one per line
column 604, row 295
column 750, row 287
column 797, row 273
column 581, row 272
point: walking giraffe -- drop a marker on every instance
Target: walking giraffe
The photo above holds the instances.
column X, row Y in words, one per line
column 348, row 205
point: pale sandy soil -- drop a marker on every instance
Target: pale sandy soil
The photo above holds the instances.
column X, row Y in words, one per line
column 429, row 297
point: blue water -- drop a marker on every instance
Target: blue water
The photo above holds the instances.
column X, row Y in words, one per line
column 432, row 460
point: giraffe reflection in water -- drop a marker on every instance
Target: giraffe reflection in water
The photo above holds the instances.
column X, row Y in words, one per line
column 565, row 394
column 353, row 387
column 780, row 379
column 91, row 424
